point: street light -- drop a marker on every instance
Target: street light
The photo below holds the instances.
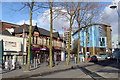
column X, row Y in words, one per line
column 115, row 7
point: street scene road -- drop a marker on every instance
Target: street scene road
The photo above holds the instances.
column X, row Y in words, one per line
column 73, row 73
column 99, row 70
column 52, row 39
column 104, row 69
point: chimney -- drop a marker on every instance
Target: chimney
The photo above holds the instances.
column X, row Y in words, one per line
column 54, row 31
column 24, row 24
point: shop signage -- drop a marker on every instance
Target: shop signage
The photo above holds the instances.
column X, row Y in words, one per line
column 42, row 48
column 10, row 44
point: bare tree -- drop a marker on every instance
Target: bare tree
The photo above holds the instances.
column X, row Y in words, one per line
column 86, row 14
column 30, row 5
column 51, row 6
column 71, row 9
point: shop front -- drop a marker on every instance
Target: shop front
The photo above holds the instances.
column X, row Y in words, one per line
column 40, row 54
column 14, row 48
column 19, row 57
column 43, row 54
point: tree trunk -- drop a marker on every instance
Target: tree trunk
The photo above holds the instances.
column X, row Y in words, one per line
column 69, row 41
column 51, row 25
column 29, row 42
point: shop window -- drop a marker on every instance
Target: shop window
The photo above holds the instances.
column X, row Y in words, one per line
column 87, row 49
column 102, row 49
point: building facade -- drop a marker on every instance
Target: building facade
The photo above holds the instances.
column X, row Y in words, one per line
column 96, row 38
column 14, row 47
column 66, row 38
column 39, row 41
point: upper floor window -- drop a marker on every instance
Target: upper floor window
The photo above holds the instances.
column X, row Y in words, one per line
column 102, row 41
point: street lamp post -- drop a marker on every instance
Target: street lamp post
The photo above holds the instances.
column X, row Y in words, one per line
column 115, row 7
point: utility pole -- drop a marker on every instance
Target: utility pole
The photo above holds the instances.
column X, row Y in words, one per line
column 85, row 55
column 93, row 43
column 51, row 28
column 29, row 39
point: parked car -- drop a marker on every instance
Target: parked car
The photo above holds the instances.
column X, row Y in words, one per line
column 109, row 56
column 116, row 55
column 93, row 59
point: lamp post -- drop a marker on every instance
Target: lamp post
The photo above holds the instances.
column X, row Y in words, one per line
column 115, row 7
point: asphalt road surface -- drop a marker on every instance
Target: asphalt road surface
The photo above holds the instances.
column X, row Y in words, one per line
column 100, row 70
column 74, row 73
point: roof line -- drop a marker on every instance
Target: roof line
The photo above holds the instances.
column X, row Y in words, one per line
column 108, row 25
column 11, row 23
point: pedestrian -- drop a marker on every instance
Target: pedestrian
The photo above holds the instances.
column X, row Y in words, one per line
column 75, row 59
column 6, row 65
column 48, row 61
column 58, row 59
column 53, row 63
column 13, row 64
column 82, row 59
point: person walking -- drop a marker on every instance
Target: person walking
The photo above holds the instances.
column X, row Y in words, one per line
column 75, row 59
column 13, row 63
column 6, row 65
column 48, row 61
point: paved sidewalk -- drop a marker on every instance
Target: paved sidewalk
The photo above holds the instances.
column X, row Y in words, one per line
column 42, row 69
column 111, row 71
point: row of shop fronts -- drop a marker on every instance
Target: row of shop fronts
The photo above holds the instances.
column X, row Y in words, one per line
column 15, row 44
column 19, row 57
column 43, row 54
column 40, row 54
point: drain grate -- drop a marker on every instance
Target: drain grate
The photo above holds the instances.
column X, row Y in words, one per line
column 92, row 74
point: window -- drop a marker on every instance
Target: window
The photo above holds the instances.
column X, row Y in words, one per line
column 102, row 41
column 102, row 49
column 48, row 41
column 87, row 49
column 33, row 39
column 40, row 41
column 36, row 39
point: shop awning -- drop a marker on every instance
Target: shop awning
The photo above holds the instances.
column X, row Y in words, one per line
column 45, row 49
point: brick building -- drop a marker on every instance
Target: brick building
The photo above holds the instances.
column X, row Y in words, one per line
column 39, row 40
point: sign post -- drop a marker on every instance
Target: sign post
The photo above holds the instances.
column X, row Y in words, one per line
column 1, row 52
